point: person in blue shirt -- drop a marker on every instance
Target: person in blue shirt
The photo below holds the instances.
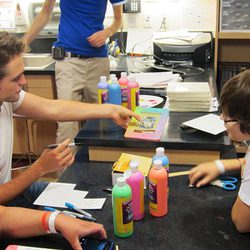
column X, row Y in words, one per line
column 82, row 41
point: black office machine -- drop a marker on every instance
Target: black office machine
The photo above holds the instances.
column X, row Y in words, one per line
column 188, row 48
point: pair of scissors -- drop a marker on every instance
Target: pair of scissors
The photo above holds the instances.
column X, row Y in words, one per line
column 225, row 182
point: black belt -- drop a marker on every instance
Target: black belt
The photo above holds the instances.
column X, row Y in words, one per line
column 70, row 54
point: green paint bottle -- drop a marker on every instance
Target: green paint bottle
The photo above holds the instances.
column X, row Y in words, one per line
column 122, row 208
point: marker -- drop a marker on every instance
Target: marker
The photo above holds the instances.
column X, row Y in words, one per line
column 70, row 213
column 73, row 144
column 108, row 190
column 50, row 209
column 71, row 206
column 80, row 216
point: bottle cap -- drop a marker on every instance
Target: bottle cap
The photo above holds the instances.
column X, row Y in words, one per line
column 113, row 79
column 157, row 164
column 123, row 74
column 133, row 166
column 127, row 173
column 121, row 181
column 103, row 79
column 160, row 151
column 111, row 76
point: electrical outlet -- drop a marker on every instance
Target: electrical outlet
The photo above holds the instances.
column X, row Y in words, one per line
column 147, row 21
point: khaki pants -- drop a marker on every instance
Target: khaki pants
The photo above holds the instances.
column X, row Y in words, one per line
column 77, row 79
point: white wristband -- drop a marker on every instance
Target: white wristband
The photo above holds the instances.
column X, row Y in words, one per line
column 52, row 222
column 220, row 166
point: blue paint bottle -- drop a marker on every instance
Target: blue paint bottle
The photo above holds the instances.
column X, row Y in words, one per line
column 160, row 155
column 115, row 92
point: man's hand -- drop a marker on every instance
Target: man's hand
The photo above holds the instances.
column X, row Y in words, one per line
column 98, row 39
column 203, row 174
column 73, row 229
column 122, row 116
column 55, row 159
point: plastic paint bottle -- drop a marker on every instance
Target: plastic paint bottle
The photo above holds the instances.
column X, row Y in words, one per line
column 115, row 92
column 136, row 183
column 123, row 81
column 122, row 208
column 110, row 78
column 103, row 90
column 160, row 155
column 158, row 193
column 133, row 93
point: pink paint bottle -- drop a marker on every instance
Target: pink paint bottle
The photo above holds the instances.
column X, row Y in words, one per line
column 136, row 183
column 123, row 81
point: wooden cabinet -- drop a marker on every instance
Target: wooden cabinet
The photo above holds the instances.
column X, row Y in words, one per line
column 230, row 46
column 20, row 146
column 32, row 135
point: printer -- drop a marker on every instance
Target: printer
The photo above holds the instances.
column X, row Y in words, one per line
column 183, row 47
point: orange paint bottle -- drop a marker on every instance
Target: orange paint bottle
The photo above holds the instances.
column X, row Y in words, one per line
column 158, row 189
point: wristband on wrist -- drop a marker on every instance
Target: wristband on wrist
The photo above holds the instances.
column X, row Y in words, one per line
column 220, row 166
column 44, row 221
column 51, row 223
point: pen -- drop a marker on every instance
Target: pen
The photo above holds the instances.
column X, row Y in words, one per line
column 77, row 209
column 73, row 144
column 53, row 210
column 69, row 213
column 108, row 190
column 80, row 216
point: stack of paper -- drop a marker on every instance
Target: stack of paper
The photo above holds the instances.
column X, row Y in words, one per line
column 189, row 96
column 156, row 79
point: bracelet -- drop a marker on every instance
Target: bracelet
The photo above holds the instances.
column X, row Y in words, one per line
column 44, row 221
column 52, row 221
column 220, row 166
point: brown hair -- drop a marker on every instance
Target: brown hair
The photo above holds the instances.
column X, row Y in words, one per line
column 10, row 46
column 235, row 99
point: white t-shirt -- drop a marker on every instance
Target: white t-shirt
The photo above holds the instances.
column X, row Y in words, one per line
column 244, row 192
column 6, row 137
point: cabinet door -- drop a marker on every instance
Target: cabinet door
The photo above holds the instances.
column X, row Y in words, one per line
column 41, row 133
column 41, row 85
column 20, row 146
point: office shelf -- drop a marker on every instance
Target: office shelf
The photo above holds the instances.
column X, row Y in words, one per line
column 234, row 35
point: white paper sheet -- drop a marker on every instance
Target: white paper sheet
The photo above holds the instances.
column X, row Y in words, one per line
column 56, row 194
column 96, row 203
column 208, row 123
column 155, row 79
